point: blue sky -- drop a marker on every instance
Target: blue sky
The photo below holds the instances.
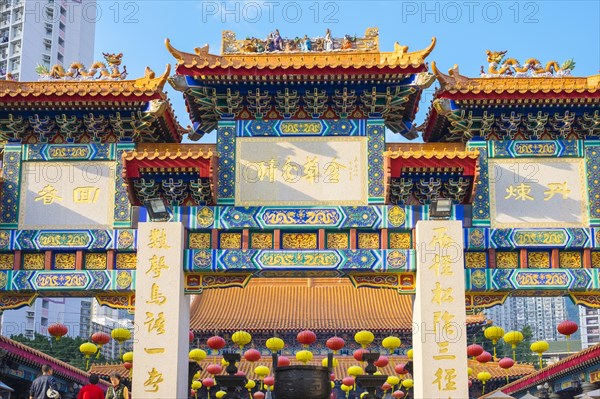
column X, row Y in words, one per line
column 546, row 30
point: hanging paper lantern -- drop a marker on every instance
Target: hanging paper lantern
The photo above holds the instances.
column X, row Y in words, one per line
column 400, row 368
column 220, row 394
column 391, row 343
column 197, row 355
column 506, row 363
column 241, row 338
column 269, row 381
column 474, row 350
column 484, row 357
column 484, row 377
column 224, row 362
column 304, row 356
column 540, row 347
column 335, row 344
column 386, row 387
column 393, row 380
column 470, row 383
column 191, row 336
column 408, row 383
column 494, row 333
column 128, row 365
column 283, row 361
column 262, row 371
column 275, row 344
column 364, row 338
column 334, row 362
column 250, row 384
column 355, row 371
column 409, row 354
column 128, row 357
column 58, row 330
column 208, row 382
column 120, row 335
column 88, row 349
column 214, row 369
column 469, row 371
column 567, row 328
column 382, row 361
column 358, row 354
column 196, row 385
column 346, row 388
column 240, row 373
column 306, row 337
column 398, row 394
column 332, row 376
column 513, row 338
column 258, row 395
column 216, row 343
column 348, row 381
column 252, row 355
column 100, row 338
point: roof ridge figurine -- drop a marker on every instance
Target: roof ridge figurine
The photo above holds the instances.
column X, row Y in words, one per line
column 77, row 71
column 532, row 67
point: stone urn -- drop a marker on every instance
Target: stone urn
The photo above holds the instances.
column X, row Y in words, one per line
column 303, row 381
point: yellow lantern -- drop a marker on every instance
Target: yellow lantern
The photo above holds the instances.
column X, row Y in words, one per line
column 224, row 362
column 250, row 384
column 262, row 371
column 393, row 380
column 364, row 338
column 197, row 355
column 120, row 335
column 196, row 385
column 332, row 384
column 128, row 357
column 220, row 394
column 362, row 395
column 513, row 338
column 275, row 344
column 88, row 349
column 484, row 377
column 304, row 356
column 540, row 347
column 355, row 371
column 334, row 362
column 196, row 376
column 469, row 371
column 409, row 354
column 377, row 373
column 241, row 338
column 494, row 333
column 408, row 383
column 391, row 343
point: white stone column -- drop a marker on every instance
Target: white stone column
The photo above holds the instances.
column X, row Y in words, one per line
column 162, row 314
column 440, row 334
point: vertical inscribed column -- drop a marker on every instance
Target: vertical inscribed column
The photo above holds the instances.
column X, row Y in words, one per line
column 162, row 314
column 440, row 334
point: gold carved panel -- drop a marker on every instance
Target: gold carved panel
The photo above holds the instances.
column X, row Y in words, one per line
column 538, row 260
column 126, row 260
column 400, row 240
column 200, row 241
column 64, row 261
column 299, row 241
column 230, row 240
column 338, row 241
column 33, row 261
column 475, row 260
column 507, row 260
column 95, row 261
column 7, row 261
column 570, row 259
column 596, row 259
column 261, row 240
column 368, row 241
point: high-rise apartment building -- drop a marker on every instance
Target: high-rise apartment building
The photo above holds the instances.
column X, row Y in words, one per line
column 45, row 32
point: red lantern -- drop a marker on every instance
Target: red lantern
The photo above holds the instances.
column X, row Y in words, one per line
column 283, row 361
column 240, row 374
column 400, row 368
column 127, row 365
column 474, row 350
column 216, row 343
column 484, row 357
column 332, row 377
column 208, row 382
column 191, row 335
column 470, row 383
column 386, row 387
column 335, row 343
column 506, row 363
column 382, row 361
column 252, row 355
column 57, row 330
column 100, row 338
column 306, row 337
column 269, row 381
column 398, row 394
column 214, row 369
column 258, row 395
column 358, row 354
column 567, row 328
column 349, row 381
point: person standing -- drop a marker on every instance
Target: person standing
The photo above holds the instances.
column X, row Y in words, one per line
column 117, row 390
column 44, row 386
column 91, row 390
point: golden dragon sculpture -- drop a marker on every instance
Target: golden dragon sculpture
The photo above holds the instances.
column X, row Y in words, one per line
column 532, row 67
column 77, row 71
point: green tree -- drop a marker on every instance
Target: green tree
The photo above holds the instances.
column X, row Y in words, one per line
column 65, row 349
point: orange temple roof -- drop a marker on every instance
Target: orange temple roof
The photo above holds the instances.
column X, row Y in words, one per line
column 324, row 304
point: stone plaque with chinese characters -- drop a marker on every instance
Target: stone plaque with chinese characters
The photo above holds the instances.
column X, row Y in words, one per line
column 530, row 192
column 439, row 332
column 301, row 171
column 162, row 314
column 67, row 195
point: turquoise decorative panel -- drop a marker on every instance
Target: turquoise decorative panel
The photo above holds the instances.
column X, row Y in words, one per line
column 11, row 172
column 538, row 148
column 68, row 281
column 122, row 205
column 592, row 159
column 69, row 152
column 481, row 198
column 226, row 150
column 293, row 127
column 376, row 148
